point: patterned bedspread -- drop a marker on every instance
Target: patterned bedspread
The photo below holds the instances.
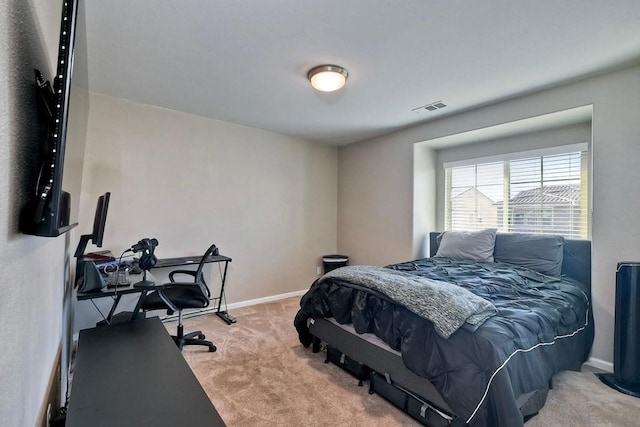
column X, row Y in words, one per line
column 542, row 326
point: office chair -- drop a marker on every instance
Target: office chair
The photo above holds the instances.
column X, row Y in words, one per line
column 176, row 296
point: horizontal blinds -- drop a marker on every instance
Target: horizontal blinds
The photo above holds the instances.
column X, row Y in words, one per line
column 475, row 190
column 534, row 194
column 559, row 149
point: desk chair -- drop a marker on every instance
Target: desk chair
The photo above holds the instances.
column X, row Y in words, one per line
column 176, row 296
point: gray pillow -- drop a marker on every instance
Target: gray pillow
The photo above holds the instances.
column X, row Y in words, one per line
column 473, row 245
column 539, row 252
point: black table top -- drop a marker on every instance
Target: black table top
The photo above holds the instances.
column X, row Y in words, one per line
column 187, row 261
column 133, row 374
column 110, row 292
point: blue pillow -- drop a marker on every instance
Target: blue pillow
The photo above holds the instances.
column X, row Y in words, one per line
column 539, row 252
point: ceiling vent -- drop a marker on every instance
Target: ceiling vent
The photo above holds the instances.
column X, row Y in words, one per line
column 430, row 107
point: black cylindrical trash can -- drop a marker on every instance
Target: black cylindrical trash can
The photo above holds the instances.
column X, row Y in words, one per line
column 626, row 347
column 331, row 262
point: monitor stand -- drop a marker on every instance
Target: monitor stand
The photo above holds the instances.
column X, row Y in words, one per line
column 82, row 245
column 144, row 283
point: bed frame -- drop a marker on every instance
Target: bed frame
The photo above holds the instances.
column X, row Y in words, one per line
column 372, row 352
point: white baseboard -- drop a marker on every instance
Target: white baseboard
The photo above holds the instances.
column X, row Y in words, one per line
column 266, row 299
column 600, row 364
column 231, row 306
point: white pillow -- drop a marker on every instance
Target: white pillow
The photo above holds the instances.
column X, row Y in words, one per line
column 473, row 245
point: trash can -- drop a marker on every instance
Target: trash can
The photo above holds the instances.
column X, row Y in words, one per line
column 331, row 262
column 626, row 354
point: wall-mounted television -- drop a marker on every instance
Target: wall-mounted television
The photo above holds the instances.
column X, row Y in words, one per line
column 52, row 208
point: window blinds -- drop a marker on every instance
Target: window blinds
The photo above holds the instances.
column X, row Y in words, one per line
column 531, row 192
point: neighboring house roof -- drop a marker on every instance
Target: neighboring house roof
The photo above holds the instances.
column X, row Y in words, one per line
column 549, row 195
column 468, row 191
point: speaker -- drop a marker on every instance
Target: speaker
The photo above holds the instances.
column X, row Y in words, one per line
column 626, row 349
column 91, row 279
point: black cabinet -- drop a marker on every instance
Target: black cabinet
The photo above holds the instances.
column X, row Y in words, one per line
column 626, row 352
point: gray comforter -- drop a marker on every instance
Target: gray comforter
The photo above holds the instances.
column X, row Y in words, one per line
column 447, row 305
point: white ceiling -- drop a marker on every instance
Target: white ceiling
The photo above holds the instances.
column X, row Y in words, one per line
column 246, row 61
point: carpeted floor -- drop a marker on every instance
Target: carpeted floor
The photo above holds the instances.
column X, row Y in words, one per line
column 261, row 375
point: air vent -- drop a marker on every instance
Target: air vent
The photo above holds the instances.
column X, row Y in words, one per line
column 430, row 107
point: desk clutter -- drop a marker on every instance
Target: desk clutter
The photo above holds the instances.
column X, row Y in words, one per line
column 100, row 275
column 97, row 270
column 96, row 275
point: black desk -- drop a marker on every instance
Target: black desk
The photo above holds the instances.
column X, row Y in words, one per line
column 132, row 374
column 188, row 260
column 161, row 263
column 117, row 294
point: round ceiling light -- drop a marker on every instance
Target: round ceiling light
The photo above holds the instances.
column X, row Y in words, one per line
column 327, row 78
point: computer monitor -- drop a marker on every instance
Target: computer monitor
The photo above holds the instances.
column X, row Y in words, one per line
column 99, row 222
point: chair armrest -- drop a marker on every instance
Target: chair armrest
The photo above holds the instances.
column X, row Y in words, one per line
column 187, row 272
column 171, row 306
column 191, row 273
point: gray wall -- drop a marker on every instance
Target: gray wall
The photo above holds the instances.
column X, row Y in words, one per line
column 269, row 201
column 32, row 277
column 375, row 201
column 375, row 197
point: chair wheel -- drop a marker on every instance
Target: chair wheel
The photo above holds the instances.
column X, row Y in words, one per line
column 212, row 349
column 201, row 336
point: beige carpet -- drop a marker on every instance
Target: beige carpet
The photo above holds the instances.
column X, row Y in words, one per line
column 261, row 375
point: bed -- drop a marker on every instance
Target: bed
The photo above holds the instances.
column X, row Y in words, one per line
column 488, row 360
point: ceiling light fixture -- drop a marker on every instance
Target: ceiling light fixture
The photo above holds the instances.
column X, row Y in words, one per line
column 327, row 78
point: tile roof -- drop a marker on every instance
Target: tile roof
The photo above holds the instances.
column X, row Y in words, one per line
column 549, row 195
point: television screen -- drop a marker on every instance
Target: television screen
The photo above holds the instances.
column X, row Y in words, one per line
column 54, row 204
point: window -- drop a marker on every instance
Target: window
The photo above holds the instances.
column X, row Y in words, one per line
column 544, row 191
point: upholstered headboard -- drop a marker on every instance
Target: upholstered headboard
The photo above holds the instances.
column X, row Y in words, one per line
column 576, row 257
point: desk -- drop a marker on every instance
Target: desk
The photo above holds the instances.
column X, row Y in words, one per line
column 188, row 260
column 117, row 293
column 132, row 374
column 161, row 263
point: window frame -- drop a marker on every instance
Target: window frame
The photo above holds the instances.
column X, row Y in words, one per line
column 505, row 222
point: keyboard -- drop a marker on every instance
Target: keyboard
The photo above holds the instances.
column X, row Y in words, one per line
column 120, row 278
